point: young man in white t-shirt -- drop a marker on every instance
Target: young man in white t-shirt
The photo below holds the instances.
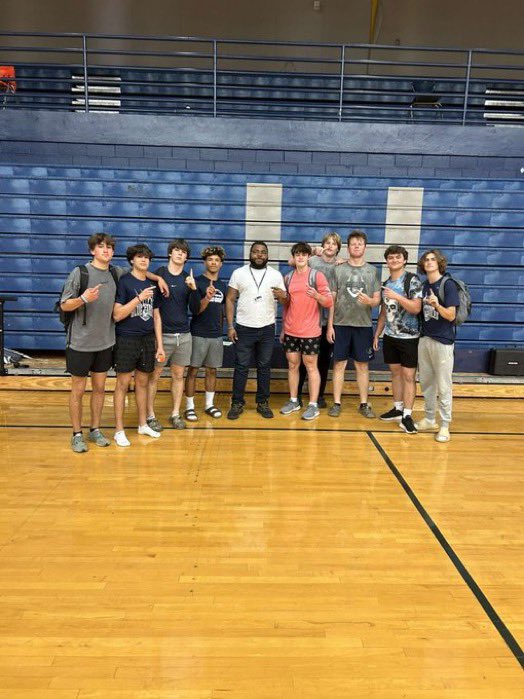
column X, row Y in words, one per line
column 254, row 287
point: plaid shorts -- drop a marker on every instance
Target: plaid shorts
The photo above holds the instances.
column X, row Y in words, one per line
column 135, row 352
column 304, row 345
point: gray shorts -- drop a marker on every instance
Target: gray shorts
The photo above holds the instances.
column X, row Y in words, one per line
column 207, row 351
column 177, row 348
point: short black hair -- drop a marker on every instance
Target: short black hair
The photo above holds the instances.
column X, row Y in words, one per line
column 179, row 244
column 257, row 242
column 396, row 250
column 304, row 248
column 140, row 249
column 98, row 238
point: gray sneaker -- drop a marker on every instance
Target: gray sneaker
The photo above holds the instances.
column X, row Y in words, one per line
column 78, row 444
column 335, row 409
column 311, row 412
column 154, row 424
column 98, row 438
column 290, row 407
column 366, row 410
column 177, row 423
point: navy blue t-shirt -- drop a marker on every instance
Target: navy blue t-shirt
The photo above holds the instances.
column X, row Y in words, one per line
column 209, row 322
column 433, row 324
column 173, row 310
column 140, row 322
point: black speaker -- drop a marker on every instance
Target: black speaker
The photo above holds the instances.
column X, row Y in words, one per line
column 506, row 362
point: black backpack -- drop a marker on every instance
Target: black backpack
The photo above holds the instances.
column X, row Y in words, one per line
column 66, row 317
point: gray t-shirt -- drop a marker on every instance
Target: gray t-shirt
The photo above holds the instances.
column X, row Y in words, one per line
column 348, row 282
column 328, row 270
column 99, row 331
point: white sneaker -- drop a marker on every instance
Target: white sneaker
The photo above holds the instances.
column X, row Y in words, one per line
column 443, row 435
column 121, row 439
column 145, row 429
column 426, row 425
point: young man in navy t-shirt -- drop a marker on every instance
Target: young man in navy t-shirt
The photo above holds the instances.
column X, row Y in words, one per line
column 437, row 344
column 135, row 348
column 206, row 332
column 172, row 314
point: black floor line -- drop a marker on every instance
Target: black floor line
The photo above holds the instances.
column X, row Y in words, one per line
column 272, row 429
column 497, row 622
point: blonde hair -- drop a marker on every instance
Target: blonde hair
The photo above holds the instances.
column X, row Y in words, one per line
column 332, row 236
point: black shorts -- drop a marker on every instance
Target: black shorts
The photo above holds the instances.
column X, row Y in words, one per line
column 401, row 351
column 82, row 363
column 304, row 345
column 135, row 352
column 353, row 343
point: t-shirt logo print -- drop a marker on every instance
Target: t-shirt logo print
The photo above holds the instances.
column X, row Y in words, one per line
column 218, row 297
column 355, row 285
column 144, row 310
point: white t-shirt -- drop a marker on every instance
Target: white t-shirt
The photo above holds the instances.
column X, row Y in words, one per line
column 256, row 305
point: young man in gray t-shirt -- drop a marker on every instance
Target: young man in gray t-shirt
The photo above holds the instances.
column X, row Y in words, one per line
column 91, row 335
column 356, row 291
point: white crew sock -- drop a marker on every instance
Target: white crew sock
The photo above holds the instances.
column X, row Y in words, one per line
column 399, row 405
column 210, row 397
column 190, row 402
column 407, row 411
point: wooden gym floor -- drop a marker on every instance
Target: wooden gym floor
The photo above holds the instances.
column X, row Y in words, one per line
column 262, row 559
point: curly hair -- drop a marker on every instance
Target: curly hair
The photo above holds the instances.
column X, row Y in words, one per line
column 441, row 260
column 213, row 250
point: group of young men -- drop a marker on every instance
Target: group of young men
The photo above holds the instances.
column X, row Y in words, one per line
column 140, row 321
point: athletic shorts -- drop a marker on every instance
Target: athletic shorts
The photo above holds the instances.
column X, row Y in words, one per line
column 353, row 343
column 207, row 351
column 177, row 348
column 135, row 352
column 403, row 351
column 304, row 345
column 82, row 363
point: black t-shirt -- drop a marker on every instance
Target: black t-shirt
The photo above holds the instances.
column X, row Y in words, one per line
column 140, row 322
column 433, row 324
column 209, row 322
column 173, row 310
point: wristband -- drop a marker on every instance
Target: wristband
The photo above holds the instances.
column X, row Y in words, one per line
column 83, row 298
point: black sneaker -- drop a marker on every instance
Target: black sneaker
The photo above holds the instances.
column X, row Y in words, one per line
column 321, row 402
column 235, row 411
column 264, row 409
column 391, row 415
column 408, row 425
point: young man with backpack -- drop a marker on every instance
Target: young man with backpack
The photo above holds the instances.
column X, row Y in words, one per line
column 437, row 343
column 399, row 315
column 307, row 293
column 86, row 309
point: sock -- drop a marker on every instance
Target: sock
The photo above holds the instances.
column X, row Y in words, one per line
column 190, row 402
column 293, row 400
column 363, row 405
column 94, row 429
column 210, row 397
column 399, row 405
column 150, row 417
column 315, row 405
column 75, row 433
column 406, row 412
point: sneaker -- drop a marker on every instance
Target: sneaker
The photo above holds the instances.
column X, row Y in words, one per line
column 264, row 409
column 177, row 423
column 311, row 412
column 154, row 424
column 235, row 411
column 408, row 425
column 426, row 425
column 335, row 409
column 98, row 438
column 78, row 444
column 321, row 402
column 290, row 407
column 443, row 435
column 391, row 415
column 366, row 410
column 121, row 439
column 148, row 431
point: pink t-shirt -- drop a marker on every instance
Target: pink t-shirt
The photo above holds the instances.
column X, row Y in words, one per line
column 302, row 313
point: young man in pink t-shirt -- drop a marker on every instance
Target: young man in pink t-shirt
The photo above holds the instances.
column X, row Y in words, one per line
column 308, row 290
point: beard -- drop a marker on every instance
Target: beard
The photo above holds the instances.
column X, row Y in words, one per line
column 258, row 264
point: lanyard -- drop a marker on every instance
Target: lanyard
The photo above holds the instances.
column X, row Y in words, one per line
column 259, row 284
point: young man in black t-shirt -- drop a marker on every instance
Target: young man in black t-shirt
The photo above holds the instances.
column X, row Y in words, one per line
column 135, row 349
column 206, row 332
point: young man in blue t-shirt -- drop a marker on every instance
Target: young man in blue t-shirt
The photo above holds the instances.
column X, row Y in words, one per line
column 172, row 315
column 399, row 315
column 437, row 344
column 206, row 332
column 135, row 348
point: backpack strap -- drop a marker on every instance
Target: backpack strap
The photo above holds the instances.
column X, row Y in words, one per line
column 407, row 283
column 312, row 279
column 84, row 282
column 287, row 279
column 114, row 274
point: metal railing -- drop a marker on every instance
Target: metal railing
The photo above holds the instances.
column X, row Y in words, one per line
column 270, row 79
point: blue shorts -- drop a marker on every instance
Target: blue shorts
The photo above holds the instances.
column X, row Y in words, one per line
column 353, row 343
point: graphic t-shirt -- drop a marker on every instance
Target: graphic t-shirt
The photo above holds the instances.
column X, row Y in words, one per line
column 140, row 322
column 209, row 322
column 173, row 309
column 399, row 322
column 348, row 282
column 433, row 324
